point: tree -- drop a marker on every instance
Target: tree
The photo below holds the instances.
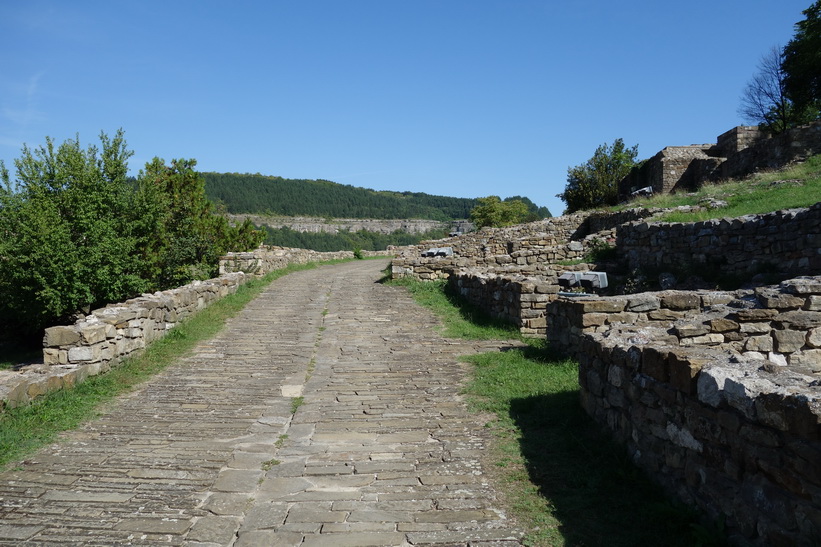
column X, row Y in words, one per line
column 595, row 183
column 67, row 242
column 492, row 211
column 802, row 61
column 765, row 100
column 182, row 238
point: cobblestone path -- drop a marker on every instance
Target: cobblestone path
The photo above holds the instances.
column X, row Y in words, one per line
column 379, row 451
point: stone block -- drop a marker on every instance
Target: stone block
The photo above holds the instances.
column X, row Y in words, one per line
column 664, row 315
column 799, row 320
column 602, row 306
column 711, row 339
column 92, row 334
column 80, row 354
column 756, row 314
column 755, row 328
column 813, row 303
column 780, row 301
column 594, row 319
column 681, row 301
column 60, row 336
column 723, row 325
column 643, row 303
column 814, row 338
column 684, row 370
column 787, row 341
column 808, row 359
column 759, row 343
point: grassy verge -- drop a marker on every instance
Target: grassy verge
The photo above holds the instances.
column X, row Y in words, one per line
column 793, row 187
column 565, row 481
column 25, row 429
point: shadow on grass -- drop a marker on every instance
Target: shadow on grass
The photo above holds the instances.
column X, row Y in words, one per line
column 598, row 495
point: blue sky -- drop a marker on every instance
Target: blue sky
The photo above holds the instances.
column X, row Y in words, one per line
column 463, row 98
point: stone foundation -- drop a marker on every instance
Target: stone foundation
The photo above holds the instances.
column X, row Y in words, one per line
column 715, row 395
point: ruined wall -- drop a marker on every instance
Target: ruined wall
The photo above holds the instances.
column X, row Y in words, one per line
column 785, row 241
column 737, row 153
column 336, row 225
column 715, row 395
column 795, row 144
column 269, row 258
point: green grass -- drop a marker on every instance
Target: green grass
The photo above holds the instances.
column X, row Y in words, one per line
column 25, row 429
column 793, row 187
column 564, row 480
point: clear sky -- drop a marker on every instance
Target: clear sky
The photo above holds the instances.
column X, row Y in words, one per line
column 464, row 98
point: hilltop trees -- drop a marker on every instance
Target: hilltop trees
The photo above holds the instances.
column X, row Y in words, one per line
column 802, row 61
column 76, row 233
column 595, row 182
column 492, row 211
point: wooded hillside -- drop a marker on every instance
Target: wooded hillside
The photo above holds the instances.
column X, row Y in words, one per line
column 254, row 193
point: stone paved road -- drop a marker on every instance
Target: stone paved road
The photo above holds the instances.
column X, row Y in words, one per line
column 380, row 450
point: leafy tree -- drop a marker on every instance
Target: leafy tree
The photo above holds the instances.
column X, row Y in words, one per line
column 492, row 211
column 802, row 61
column 765, row 100
column 67, row 242
column 182, row 237
column 595, row 182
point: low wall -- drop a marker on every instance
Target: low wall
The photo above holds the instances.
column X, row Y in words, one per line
column 519, row 300
column 108, row 335
column 787, row 241
column 715, row 395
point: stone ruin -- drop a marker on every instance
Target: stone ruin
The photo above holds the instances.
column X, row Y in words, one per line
column 716, row 395
column 737, row 153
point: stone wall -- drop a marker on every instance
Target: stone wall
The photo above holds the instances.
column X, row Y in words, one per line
column 107, row 335
column 737, row 153
column 336, row 225
column 795, row 144
column 788, row 242
column 269, row 258
column 715, row 395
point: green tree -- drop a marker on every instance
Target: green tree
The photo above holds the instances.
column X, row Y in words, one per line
column 492, row 211
column 765, row 102
column 595, row 183
column 802, row 61
column 182, row 238
column 67, row 241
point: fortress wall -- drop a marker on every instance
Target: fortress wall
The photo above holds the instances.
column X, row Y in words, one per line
column 715, row 395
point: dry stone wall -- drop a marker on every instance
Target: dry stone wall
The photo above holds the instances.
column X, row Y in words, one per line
column 716, row 395
column 107, row 335
column 737, row 153
column 785, row 241
column 512, row 273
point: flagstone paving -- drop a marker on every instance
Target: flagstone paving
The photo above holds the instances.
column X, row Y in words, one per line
column 326, row 413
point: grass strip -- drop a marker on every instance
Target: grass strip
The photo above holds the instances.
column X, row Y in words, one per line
column 25, row 429
column 564, row 480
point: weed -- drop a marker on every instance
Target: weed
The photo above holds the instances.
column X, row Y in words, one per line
column 267, row 465
column 281, row 441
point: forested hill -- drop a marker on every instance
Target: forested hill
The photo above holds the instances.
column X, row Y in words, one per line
column 260, row 194
column 245, row 193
